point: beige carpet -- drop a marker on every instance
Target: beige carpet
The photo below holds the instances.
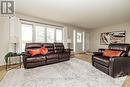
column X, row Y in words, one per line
column 72, row 73
column 87, row 57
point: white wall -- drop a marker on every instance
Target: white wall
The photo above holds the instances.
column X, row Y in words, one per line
column 14, row 32
column 4, row 38
column 95, row 35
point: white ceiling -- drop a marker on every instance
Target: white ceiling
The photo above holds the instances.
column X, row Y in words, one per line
column 82, row 13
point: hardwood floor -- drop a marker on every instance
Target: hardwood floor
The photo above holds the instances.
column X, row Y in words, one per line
column 85, row 57
column 2, row 72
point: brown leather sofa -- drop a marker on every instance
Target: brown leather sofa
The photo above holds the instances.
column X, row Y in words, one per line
column 56, row 53
column 114, row 67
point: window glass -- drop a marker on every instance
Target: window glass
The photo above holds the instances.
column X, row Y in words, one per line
column 26, row 35
column 50, row 35
column 40, row 34
column 59, row 35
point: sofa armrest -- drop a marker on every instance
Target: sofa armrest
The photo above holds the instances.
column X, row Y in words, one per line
column 26, row 54
column 119, row 66
column 68, row 50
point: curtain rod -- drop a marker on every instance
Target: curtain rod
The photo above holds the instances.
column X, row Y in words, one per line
column 41, row 23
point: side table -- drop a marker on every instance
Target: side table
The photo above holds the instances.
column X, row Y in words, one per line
column 10, row 56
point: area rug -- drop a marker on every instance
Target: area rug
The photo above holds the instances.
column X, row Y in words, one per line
column 72, row 73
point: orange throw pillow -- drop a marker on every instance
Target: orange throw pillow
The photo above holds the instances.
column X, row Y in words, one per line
column 112, row 53
column 43, row 51
column 34, row 52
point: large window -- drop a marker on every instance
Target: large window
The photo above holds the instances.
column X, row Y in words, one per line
column 26, row 34
column 40, row 33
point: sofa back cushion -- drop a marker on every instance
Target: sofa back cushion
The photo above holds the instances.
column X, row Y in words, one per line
column 49, row 46
column 112, row 53
column 122, row 47
column 32, row 46
column 59, row 47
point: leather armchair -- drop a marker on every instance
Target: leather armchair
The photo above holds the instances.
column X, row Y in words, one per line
column 115, row 66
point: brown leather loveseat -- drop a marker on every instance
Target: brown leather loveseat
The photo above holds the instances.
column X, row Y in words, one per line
column 113, row 66
column 56, row 53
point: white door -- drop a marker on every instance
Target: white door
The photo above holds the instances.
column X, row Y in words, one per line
column 78, row 41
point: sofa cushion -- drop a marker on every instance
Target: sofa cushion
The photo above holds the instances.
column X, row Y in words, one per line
column 51, row 61
column 36, row 59
column 50, row 47
column 59, row 47
column 102, row 60
column 52, row 56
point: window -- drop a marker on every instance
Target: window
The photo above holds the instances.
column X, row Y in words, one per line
column 32, row 32
column 40, row 34
column 26, row 35
column 50, row 35
column 59, row 36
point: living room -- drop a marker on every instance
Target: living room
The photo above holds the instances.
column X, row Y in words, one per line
column 65, row 43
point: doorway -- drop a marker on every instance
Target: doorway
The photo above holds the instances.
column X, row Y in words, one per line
column 79, row 41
